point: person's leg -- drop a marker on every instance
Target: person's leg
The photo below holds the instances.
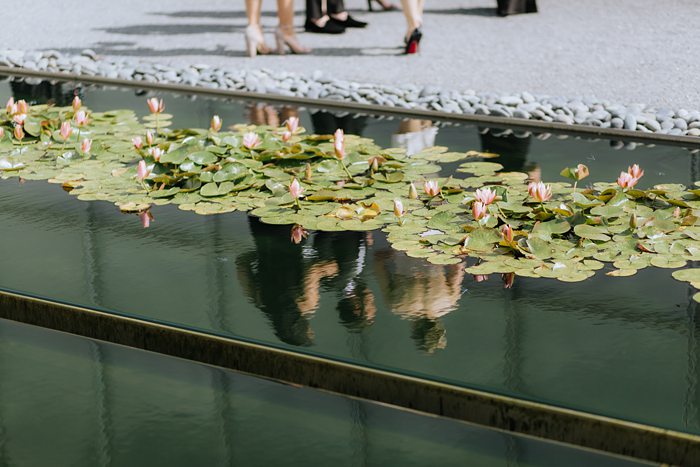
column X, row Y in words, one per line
column 255, row 41
column 314, row 10
column 412, row 13
column 338, row 13
column 285, row 32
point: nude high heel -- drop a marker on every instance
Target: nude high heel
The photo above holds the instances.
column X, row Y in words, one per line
column 285, row 37
column 255, row 42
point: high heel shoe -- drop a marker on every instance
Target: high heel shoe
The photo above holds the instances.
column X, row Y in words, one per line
column 385, row 6
column 413, row 41
column 285, row 37
column 255, row 41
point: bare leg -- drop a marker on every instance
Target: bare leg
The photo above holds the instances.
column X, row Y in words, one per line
column 413, row 13
column 253, row 9
column 255, row 39
column 285, row 32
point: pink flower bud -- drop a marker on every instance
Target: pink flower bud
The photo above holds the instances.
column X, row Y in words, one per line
column 11, row 107
column 539, row 191
column 155, row 105
column 625, row 180
column 138, row 143
column 485, row 195
column 292, row 124
column 142, row 170
column 22, row 106
column 77, row 103
column 156, row 153
column 81, row 118
column 85, row 146
column 298, row 234
column 215, row 123
column 2, row 132
column 65, row 131
column 635, row 171
column 412, row 192
column 286, row 136
column 19, row 132
column 507, row 233
column 398, row 208
column 149, row 137
column 19, row 118
column 479, row 210
column 339, row 144
column 295, row 189
column 431, row 188
column 251, row 140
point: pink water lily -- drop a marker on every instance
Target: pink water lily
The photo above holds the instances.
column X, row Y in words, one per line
column 485, row 195
column 431, row 188
column 2, row 132
column 292, row 124
column 19, row 118
column 22, row 106
column 156, row 153
column 286, row 136
column 295, row 189
column 251, row 140
column 398, row 208
column 149, row 137
column 142, row 170
column 76, row 104
column 215, row 123
column 479, row 210
column 155, row 105
column 507, row 233
column 625, row 180
column 19, row 133
column 81, row 118
column 85, row 146
column 339, row 144
column 635, row 171
column 65, row 131
column 11, row 107
column 298, row 234
column 138, row 142
column 539, row 191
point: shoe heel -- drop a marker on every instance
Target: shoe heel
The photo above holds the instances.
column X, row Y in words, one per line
column 251, row 42
column 412, row 47
column 369, row 5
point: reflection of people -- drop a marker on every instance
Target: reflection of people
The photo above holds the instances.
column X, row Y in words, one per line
column 44, row 92
column 265, row 114
column 414, row 135
column 285, row 279
column 421, row 295
column 325, row 123
column 513, row 151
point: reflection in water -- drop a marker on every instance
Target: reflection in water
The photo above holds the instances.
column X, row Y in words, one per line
column 513, row 150
column 326, row 123
column 43, row 93
column 420, row 295
column 266, row 114
column 414, row 135
column 285, row 279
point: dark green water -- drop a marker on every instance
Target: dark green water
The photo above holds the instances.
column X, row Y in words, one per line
column 70, row 401
column 624, row 347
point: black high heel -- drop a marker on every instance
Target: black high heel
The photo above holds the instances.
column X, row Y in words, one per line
column 382, row 4
column 413, row 42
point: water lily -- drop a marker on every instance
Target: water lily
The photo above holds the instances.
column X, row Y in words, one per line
column 298, row 234
column 677, row 212
column 149, row 137
column 398, row 209
column 412, row 192
column 156, row 153
column 507, row 233
column 155, row 105
column 22, row 106
column 77, row 103
column 19, row 133
column 295, row 189
column 81, row 118
column 539, row 191
column 215, row 123
column 85, row 146
column 479, row 210
column 142, row 170
column 635, row 171
column 2, row 132
column 339, row 144
column 137, row 141
column 431, row 188
column 485, row 195
column 625, row 180
column 286, row 136
column 19, row 118
column 65, row 131
column 11, row 107
column 146, row 218
column 581, row 172
column 251, row 140
column 292, row 124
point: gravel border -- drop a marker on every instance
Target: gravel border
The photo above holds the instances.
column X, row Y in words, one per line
column 587, row 111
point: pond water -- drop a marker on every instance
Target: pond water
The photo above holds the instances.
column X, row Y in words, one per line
column 88, row 403
column 623, row 347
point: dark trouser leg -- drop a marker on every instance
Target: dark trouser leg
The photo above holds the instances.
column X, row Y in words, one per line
column 314, row 10
column 335, row 7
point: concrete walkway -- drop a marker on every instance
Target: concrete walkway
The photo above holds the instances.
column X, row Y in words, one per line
column 628, row 51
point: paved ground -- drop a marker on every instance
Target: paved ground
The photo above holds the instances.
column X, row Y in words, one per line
column 628, row 51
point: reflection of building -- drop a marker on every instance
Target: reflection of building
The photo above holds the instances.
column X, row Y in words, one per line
column 285, row 280
column 420, row 295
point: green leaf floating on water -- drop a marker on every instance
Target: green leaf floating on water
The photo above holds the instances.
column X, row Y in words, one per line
column 566, row 237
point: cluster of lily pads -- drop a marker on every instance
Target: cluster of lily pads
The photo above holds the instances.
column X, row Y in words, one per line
column 345, row 182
